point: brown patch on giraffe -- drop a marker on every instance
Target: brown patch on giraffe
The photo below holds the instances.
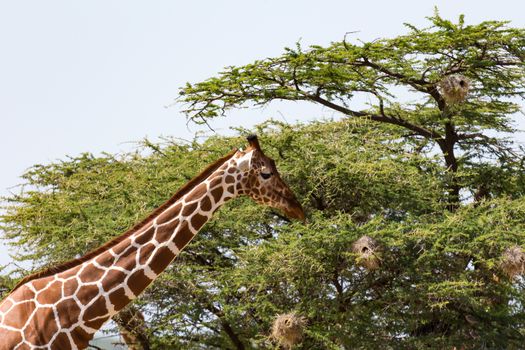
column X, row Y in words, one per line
column 16, row 316
column 70, row 287
column 68, row 312
column 43, row 326
column 189, row 209
column 112, row 276
column 97, row 309
column 164, row 232
column 5, row 305
column 127, row 261
column 61, row 342
column 81, row 337
column 231, row 189
column 105, row 259
column 39, row 284
column 145, row 252
column 217, row 194
column 22, row 294
column 162, row 259
column 23, row 347
column 86, row 292
column 198, row 220
column 205, row 204
column 231, row 170
column 229, row 179
column 122, row 246
column 10, row 337
column 138, row 281
column 217, row 181
column 96, row 324
column 197, row 192
column 69, row 273
column 145, row 236
column 169, row 214
column 51, row 295
column 91, row 274
column 183, row 236
column 119, row 299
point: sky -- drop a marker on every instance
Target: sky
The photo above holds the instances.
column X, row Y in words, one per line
column 93, row 76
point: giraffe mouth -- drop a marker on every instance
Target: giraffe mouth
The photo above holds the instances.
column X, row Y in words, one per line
column 292, row 208
column 295, row 213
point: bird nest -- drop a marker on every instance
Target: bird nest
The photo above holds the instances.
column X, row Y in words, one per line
column 513, row 261
column 368, row 252
column 287, row 329
column 454, row 88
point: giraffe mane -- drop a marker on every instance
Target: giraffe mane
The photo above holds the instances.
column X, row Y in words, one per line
column 108, row 245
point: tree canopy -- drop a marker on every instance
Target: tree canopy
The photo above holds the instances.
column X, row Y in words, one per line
column 489, row 55
column 437, row 183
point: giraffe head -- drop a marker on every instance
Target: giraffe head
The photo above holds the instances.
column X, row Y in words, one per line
column 261, row 181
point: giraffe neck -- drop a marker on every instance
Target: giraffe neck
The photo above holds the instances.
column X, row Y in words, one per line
column 138, row 260
column 64, row 310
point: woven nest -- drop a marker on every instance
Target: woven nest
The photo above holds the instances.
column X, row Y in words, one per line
column 368, row 252
column 454, row 88
column 513, row 261
column 287, row 329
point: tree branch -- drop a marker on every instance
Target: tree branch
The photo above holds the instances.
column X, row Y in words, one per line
column 420, row 85
column 226, row 326
column 378, row 118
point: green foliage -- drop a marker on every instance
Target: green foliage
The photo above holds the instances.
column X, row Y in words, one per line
column 390, row 172
column 248, row 265
column 490, row 55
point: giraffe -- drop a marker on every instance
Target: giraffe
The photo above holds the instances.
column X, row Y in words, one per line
column 62, row 307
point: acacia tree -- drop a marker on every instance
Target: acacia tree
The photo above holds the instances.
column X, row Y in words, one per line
column 439, row 283
column 489, row 56
column 377, row 173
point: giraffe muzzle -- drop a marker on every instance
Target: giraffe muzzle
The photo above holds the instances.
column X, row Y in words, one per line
column 295, row 211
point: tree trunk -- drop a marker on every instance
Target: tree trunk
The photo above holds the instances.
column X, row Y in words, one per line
column 447, row 148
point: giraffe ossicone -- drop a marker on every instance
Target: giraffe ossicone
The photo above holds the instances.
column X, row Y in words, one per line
column 61, row 308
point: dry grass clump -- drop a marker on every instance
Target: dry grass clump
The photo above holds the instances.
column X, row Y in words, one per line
column 513, row 261
column 368, row 252
column 454, row 88
column 287, row 329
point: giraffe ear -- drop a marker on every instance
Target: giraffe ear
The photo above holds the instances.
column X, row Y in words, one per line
column 244, row 162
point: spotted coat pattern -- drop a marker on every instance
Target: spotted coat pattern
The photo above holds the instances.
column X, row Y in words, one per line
column 64, row 310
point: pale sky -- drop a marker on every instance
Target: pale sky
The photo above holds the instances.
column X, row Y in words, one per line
column 92, row 76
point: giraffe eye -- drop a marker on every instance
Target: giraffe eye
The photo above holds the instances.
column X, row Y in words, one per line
column 266, row 176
